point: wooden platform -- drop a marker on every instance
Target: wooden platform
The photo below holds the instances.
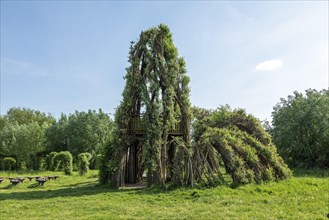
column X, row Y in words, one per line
column 136, row 127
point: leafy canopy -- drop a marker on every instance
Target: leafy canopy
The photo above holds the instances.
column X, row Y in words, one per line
column 301, row 128
column 237, row 141
column 80, row 132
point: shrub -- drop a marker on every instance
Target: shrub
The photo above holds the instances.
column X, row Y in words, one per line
column 37, row 162
column 63, row 161
column 83, row 163
column 9, row 163
column 98, row 161
column 49, row 159
column 93, row 160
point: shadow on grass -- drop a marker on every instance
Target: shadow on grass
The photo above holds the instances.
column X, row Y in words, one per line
column 316, row 172
column 79, row 189
column 9, row 186
column 95, row 182
column 33, row 185
column 89, row 189
column 93, row 188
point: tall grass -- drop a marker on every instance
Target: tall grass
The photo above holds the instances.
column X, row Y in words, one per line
column 305, row 196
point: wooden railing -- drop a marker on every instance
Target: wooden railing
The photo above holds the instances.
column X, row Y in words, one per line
column 136, row 127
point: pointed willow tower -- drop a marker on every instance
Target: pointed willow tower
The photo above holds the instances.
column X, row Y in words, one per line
column 152, row 134
column 153, row 120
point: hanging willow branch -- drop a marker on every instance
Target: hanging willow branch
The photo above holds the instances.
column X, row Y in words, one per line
column 241, row 143
column 157, row 92
column 153, row 122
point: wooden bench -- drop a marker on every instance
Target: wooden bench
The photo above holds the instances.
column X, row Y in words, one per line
column 41, row 181
column 14, row 181
column 21, row 179
column 32, row 177
column 52, row 177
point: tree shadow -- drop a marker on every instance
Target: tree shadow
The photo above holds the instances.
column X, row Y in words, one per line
column 89, row 189
column 93, row 188
column 9, row 186
column 33, row 185
column 77, row 190
column 315, row 172
column 95, row 182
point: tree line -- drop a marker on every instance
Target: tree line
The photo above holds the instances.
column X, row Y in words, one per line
column 28, row 136
column 299, row 130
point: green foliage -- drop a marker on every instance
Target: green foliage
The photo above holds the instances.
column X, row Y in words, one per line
column 3, row 122
column 38, row 162
column 157, row 93
column 23, row 116
column 98, row 160
column 83, row 163
column 157, row 88
column 9, row 163
column 225, row 117
column 242, row 144
column 2, row 163
column 56, row 136
column 22, row 134
column 301, row 128
column 49, row 161
column 80, row 132
column 108, row 164
column 63, row 161
column 25, row 133
column 22, row 141
column 94, row 160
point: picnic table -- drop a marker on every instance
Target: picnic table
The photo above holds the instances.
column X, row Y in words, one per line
column 14, row 181
column 41, row 180
column 33, row 177
column 53, row 177
column 21, row 179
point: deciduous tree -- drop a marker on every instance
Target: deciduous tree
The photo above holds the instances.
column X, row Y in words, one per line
column 301, row 128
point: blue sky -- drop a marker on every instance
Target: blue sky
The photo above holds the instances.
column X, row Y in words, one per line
column 59, row 56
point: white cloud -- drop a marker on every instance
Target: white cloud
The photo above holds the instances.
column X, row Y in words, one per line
column 269, row 65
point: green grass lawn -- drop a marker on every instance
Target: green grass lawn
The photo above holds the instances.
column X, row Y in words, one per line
column 305, row 196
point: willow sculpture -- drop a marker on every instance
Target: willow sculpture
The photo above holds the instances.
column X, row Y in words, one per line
column 236, row 141
column 154, row 110
column 153, row 127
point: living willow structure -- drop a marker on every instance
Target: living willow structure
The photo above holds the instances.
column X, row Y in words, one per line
column 237, row 142
column 153, row 128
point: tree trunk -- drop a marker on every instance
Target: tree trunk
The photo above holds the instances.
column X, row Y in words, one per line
column 170, row 161
column 131, row 168
column 163, row 174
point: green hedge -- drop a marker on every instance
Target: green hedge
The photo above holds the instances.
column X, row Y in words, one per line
column 63, row 161
column 49, row 160
column 98, row 161
column 9, row 163
column 83, row 163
